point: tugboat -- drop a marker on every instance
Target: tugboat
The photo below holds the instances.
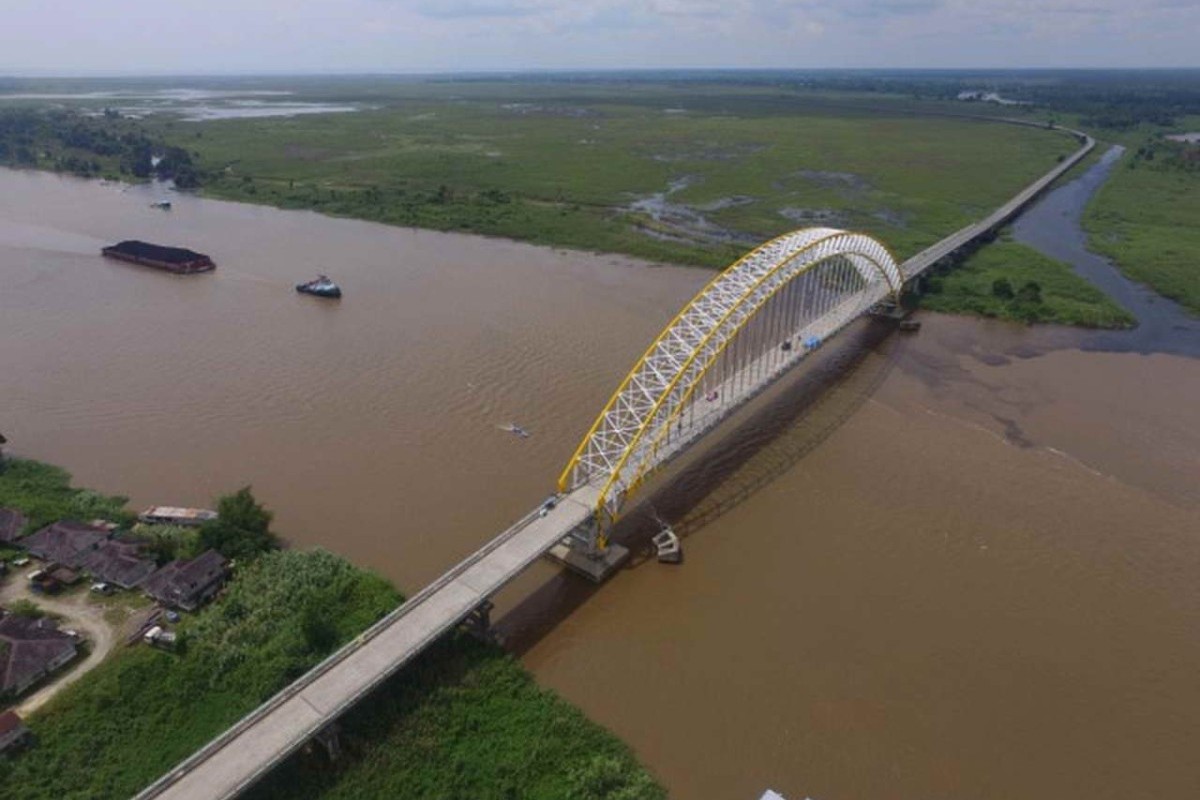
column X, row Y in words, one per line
column 321, row 287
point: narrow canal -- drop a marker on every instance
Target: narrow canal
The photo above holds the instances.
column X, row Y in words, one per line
column 960, row 564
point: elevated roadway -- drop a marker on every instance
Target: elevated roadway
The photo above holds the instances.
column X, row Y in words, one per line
column 931, row 255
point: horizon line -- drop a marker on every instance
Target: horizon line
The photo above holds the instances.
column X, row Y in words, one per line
column 523, row 71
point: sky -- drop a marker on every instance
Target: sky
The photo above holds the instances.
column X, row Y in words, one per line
column 163, row 37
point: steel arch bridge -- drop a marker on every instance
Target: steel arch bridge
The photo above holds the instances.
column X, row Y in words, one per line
column 751, row 323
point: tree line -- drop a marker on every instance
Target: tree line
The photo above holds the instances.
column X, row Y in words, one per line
column 91, row 146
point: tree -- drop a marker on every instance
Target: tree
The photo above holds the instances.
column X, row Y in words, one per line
column 1002, row 288
column 241, row 529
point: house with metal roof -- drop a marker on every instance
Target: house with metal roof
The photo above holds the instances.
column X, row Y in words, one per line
column 188, row 584
column 66, row 542
column 30, row 649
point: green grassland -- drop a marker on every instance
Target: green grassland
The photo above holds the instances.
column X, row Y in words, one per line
column 1145, row 217
column 463, row 720
column 1062, row 296
column 565, row 165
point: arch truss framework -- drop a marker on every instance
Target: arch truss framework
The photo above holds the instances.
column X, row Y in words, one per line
column 748, row 325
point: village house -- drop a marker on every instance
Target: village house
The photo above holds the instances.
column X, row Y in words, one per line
column 11, row 524
column 187, row 584
column 30, row 649
column 119, row 563
column 65, row 542
column 12, row 730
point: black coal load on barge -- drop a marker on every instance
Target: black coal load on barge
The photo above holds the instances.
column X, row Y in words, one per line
column 173, row 259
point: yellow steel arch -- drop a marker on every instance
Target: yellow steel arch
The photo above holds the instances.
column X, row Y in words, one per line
column 679, row 407
column 699, row 333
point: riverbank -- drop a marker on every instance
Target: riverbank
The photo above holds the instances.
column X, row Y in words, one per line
column 462, row 715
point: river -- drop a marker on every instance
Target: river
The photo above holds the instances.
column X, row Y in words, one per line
column 956, row 564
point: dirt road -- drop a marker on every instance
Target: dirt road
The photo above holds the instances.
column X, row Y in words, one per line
column 76, row 613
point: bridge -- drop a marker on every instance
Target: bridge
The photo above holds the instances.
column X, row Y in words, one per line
column 750, row 325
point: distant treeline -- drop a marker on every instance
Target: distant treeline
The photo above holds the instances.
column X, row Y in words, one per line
column 90, row 146
column 1114, row 99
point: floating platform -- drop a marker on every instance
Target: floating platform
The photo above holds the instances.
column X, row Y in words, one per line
column 175, row 515
column 596, row 568
column 179, row 260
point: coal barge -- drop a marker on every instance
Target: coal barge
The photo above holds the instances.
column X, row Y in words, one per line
column 173, row 259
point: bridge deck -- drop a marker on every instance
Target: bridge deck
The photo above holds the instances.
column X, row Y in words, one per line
column 269, row 734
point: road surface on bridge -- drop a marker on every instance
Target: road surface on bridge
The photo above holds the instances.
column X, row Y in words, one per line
column 262, row 739
column 266, row 736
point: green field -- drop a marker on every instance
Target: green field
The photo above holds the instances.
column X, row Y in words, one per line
column 581, row 167
column 1061, row 297
column 468, row 719
column 1145, row 217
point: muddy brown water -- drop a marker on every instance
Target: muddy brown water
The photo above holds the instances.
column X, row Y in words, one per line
column 958, row 564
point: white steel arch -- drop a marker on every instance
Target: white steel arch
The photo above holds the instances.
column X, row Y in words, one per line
column 847, row 272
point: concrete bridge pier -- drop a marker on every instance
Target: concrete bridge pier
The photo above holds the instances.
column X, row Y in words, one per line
column 479, row 623
column 582, row 551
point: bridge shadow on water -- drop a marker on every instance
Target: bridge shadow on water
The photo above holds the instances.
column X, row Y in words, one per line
column 746, row 454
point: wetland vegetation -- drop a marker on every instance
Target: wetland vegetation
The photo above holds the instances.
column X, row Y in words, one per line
column 1144, row 217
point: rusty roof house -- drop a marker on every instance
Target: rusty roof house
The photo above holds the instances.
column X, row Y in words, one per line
column 65, row 542
column 119, row 563
column 187, row 584
column 30, row 649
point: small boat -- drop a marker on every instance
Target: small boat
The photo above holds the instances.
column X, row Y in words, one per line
column 164, row 205
column 321, row 287
column 515, row 430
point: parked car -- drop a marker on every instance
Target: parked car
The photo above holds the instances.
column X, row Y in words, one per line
column 20, row 562
column 103, row 588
